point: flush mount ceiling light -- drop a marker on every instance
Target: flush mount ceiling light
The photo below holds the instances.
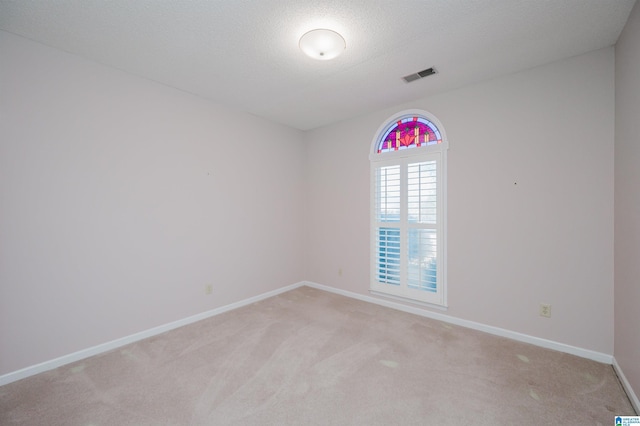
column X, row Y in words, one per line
column 322, row 44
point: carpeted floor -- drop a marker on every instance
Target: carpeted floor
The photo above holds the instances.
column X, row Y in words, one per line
column 308, row 357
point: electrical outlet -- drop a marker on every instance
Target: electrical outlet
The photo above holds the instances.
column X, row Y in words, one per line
column 208, row 289
column 545, row 310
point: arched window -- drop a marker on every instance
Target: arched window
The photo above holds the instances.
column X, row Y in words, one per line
column 408, row 164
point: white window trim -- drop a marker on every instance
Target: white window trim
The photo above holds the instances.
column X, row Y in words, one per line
column 405, row 156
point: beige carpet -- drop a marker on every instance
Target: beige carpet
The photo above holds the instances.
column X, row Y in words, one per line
column 309, row 357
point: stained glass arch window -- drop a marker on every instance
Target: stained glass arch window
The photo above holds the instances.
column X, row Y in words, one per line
column 408, row 206
column 411, row 131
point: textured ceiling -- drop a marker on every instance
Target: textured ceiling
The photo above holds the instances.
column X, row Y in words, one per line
column 244, row 54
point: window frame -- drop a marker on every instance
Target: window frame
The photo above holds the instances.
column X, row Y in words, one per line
column 404, row 157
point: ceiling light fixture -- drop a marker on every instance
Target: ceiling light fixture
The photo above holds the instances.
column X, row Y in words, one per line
column 322, row 44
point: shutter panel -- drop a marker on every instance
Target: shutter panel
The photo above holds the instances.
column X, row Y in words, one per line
column 422, row 192
column 388, row 193
column 388, row 255
column 422, row 260
column 388, row 211
column 422, row 253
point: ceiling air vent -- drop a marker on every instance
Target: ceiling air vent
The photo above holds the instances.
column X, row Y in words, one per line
column 420, row 74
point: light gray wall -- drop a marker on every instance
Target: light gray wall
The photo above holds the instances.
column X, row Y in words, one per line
column 548, row 239
column 120, row 199
column 627, row 201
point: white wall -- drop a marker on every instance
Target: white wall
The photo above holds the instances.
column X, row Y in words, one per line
column 120, row 199
column 627, row 201
column 548, row 239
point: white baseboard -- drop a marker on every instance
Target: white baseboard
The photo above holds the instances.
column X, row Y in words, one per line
column 549, row 344
column 114, row 344
column 627, row 386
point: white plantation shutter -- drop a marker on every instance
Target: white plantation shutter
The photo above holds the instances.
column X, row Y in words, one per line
column 387, row 211
column 407, row 250
column 388, row 255
column 388, row 193
column 422, row 260
column 422, row 203
column 422, row 191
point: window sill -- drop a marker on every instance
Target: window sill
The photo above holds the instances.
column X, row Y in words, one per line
column 407, row 300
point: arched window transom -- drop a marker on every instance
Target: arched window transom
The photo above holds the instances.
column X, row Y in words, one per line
column 409, row 132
